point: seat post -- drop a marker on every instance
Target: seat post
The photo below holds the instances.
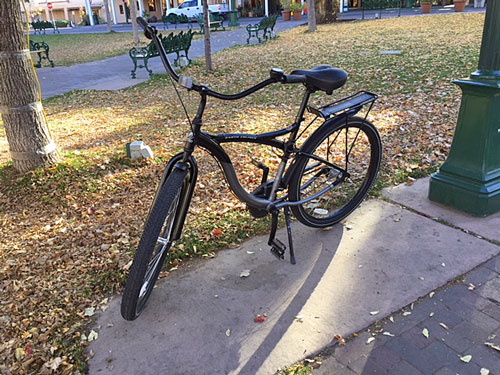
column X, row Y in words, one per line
column 303, row 105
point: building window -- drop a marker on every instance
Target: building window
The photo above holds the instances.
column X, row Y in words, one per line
column 121, row 9
column 152, row 5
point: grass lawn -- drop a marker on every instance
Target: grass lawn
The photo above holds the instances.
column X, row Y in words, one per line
column 69, row 232
column 69, row 49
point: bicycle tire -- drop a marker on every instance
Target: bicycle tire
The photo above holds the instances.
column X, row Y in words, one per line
column 347, row 190
column 151, row 254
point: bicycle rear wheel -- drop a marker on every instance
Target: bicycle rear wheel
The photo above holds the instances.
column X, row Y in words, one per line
column 337, row 167
column 154, row 245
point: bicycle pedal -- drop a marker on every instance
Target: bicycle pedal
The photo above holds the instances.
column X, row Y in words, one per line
column 278, row 249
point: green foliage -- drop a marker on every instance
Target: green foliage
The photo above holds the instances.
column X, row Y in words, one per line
column 285, row 4
column 296, row 7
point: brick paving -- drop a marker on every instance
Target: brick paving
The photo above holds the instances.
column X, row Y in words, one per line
column 460, row 318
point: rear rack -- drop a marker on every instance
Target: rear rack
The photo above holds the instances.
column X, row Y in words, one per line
column 351, row 103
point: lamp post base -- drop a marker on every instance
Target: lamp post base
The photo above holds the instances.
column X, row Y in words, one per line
column 469, row 180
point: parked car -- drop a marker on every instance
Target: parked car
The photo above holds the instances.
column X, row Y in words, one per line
column 193, row 7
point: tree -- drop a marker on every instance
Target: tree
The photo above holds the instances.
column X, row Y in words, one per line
column 206, row 28
column 311, row 15
column 108, row 15
column 30, row 142
column 326, row 10
column 133, row 14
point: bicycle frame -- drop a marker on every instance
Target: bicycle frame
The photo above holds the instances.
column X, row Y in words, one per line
column 332, row 114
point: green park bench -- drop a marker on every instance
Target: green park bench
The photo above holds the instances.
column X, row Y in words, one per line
column 40, row 26
column 216, row 22
column 380, row 5
column 173, row 43
column 41, row 49
column 266, row 26
column 174, row 19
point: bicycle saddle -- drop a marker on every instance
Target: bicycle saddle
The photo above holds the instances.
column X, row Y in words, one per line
column 323, row 77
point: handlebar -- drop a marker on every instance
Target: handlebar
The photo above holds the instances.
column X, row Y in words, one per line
column 277, row 75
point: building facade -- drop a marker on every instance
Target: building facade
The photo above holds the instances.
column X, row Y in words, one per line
column 75, row 11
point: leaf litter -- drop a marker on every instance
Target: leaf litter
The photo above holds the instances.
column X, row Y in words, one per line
column 69, row 232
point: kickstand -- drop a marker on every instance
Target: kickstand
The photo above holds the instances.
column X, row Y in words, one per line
column 278, row 248
column 289, row 230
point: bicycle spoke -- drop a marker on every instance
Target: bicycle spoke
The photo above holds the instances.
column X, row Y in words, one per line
column 353, row 142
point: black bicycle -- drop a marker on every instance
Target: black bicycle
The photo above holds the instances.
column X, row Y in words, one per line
column 321, row 182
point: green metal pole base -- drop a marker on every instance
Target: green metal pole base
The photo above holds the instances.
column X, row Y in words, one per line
column 467, row 196
column 469, row 180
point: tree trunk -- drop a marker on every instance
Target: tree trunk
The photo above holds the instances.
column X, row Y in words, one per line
column 326, row 11
column 208, row 48
column 30, row 143
column 133, row 16
column 108, row 15
column 311, row 15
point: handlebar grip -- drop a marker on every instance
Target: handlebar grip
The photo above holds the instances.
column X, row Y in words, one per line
column 295, row 78
column 147, row 29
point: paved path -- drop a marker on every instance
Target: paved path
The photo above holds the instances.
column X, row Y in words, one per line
column 200, row 320
column 114, row 73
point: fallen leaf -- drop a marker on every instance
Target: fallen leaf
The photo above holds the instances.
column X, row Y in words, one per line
column 245, row 273
column 484, row 371
column 370, row 340
column 340, row 339
column 299, row 318
column 471, row 286
column 466, row 358
column 388, row 334
column 250, row 252
column 431, row 314
column 431, row 294
column 20, row 353
column 54, row 363
column 406, row 313
column 89, row 311
column 425, row 332
column 374, row 312
column 493, row 346
column 228, row 332
column 260, row 318
column 217, row 232
column 444, row 326
column 93, row 335
column 391, row 319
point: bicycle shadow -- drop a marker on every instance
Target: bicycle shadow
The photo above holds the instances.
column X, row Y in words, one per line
column 324, row 256
column 201, row 320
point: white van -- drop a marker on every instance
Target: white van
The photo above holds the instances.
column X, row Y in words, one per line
column 191, row 8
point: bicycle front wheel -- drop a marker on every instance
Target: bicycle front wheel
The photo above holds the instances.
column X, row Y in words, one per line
column 154, row 245
column 335, row 170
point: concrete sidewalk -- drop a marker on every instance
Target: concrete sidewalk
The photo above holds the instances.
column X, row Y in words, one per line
column 200, row 319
